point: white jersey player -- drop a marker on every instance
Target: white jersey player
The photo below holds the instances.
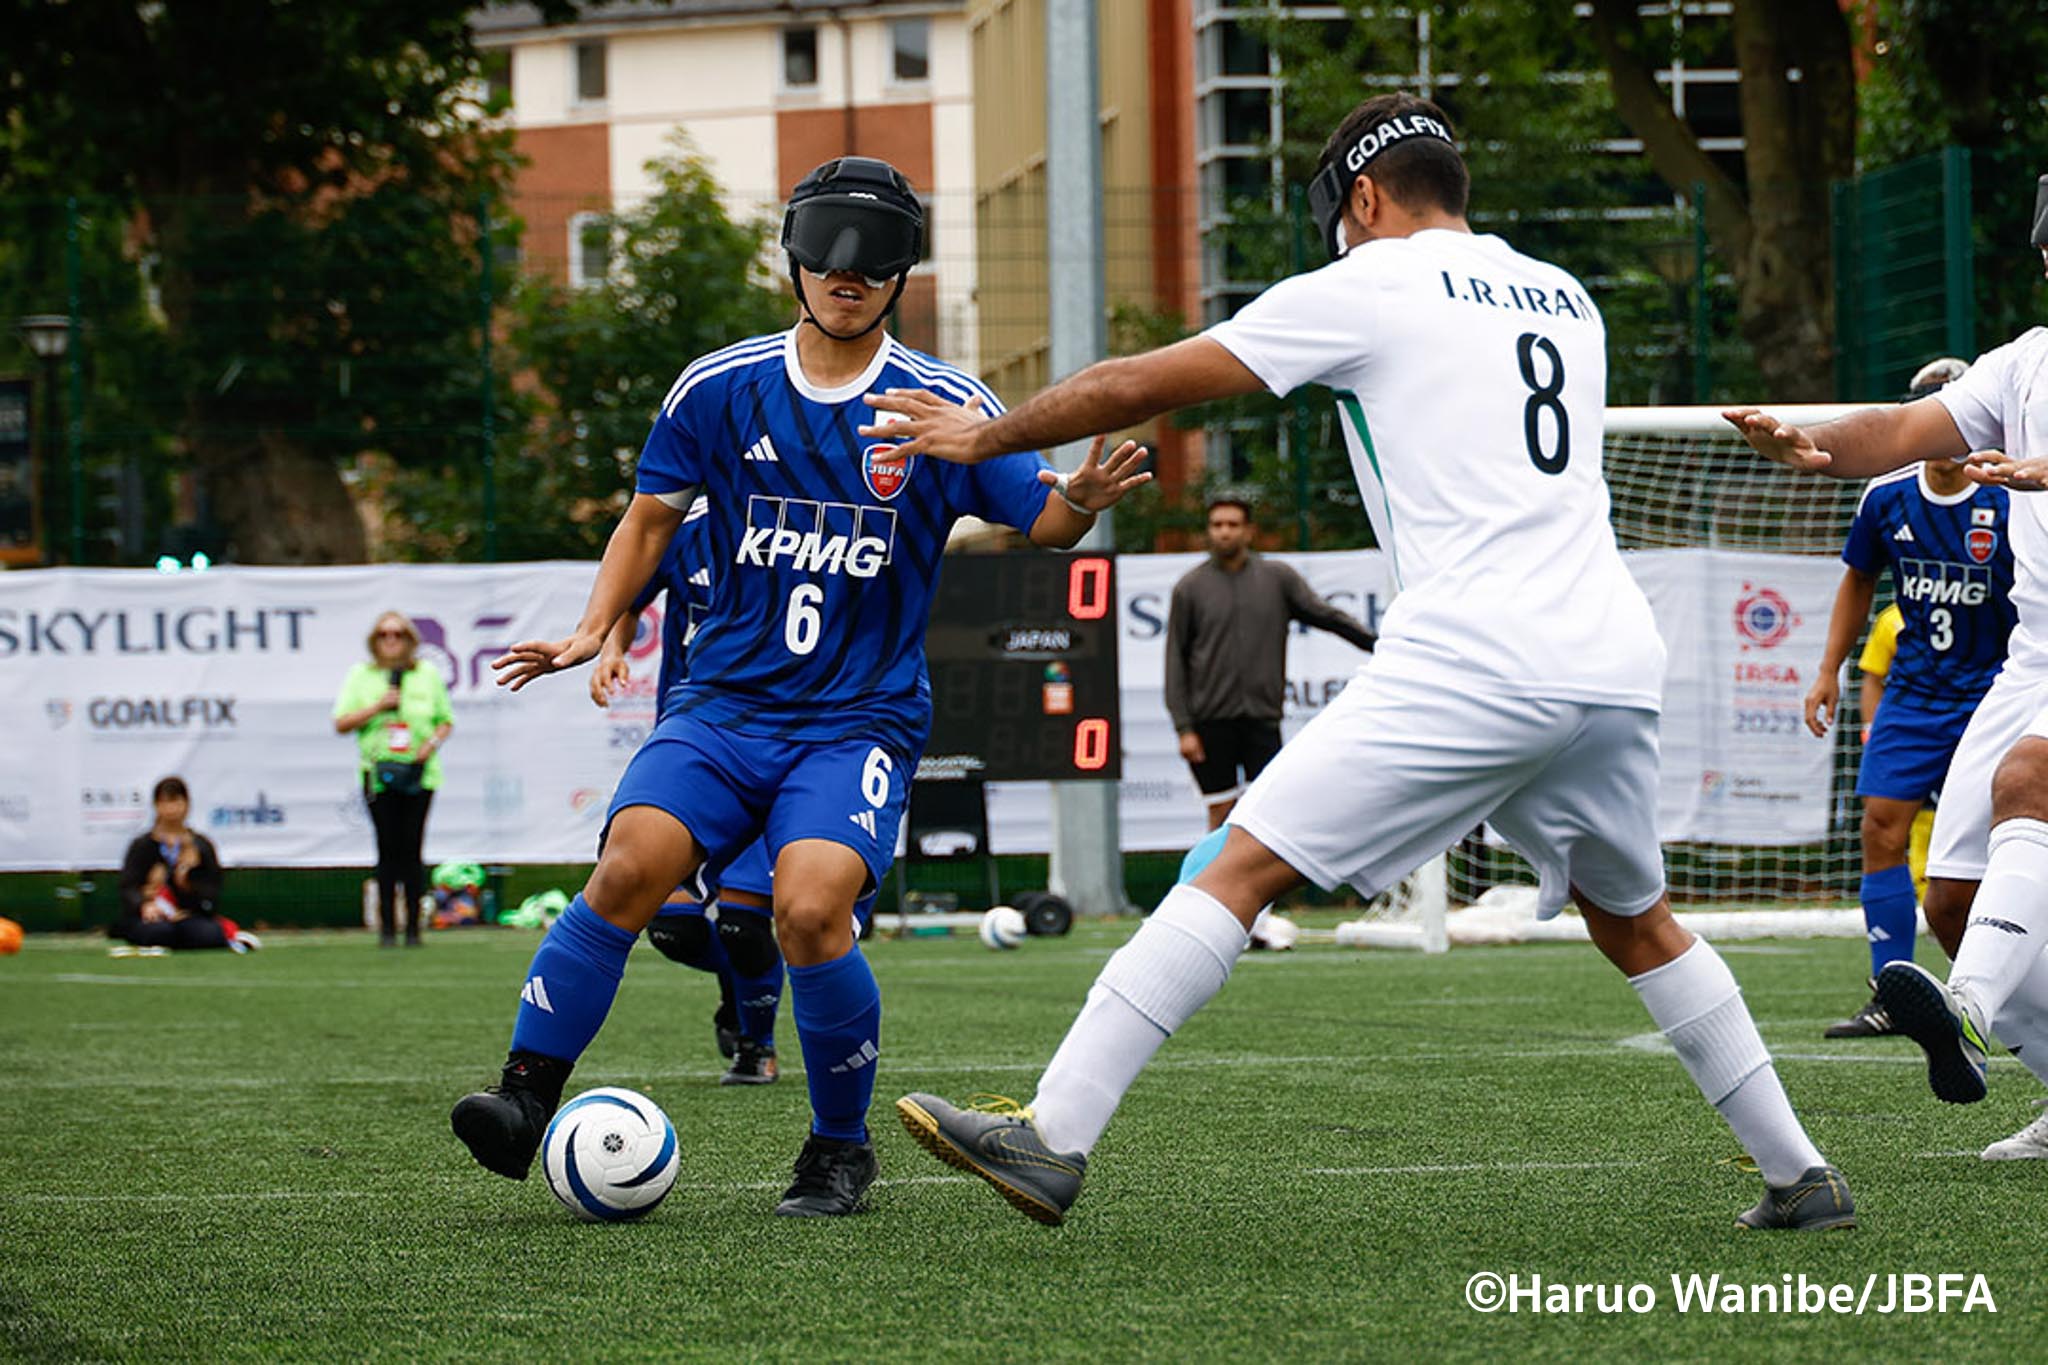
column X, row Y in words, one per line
column 1991, row 831
column 1519, row 670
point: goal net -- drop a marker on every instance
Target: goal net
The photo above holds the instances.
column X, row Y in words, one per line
column 1681, row 480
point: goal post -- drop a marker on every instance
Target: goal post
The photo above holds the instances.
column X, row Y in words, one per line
column 1679, row 479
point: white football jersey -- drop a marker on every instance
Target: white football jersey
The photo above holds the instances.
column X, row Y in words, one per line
column 2001, row 403
column 1471, row 385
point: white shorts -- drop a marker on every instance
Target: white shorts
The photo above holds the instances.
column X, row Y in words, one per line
column 2010, row 711
column 1395, row 771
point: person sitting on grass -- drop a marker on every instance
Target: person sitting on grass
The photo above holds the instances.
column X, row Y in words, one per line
column 171, row 883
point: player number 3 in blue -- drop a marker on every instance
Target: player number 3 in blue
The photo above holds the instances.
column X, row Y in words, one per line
column 800, row 629
column 1941, row 628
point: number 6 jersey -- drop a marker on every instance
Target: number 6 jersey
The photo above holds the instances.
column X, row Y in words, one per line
column 824, row 544
column 1471, row 383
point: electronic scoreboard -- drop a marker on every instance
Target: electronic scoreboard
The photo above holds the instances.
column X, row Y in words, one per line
column 1022, row 649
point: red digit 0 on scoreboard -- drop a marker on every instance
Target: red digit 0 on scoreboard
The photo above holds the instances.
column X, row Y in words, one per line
column 1088, row 589
column 1091, row 744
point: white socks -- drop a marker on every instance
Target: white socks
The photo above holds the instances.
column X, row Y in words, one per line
column 1151, row 986
column 2022, row 1021
column 2008, row 922
column 1694, row 999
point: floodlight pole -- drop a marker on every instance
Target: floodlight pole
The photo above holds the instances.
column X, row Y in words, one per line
column 1087, row 856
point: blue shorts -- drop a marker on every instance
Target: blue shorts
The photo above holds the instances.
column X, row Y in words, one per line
column 1907, row 755
column 730, row 789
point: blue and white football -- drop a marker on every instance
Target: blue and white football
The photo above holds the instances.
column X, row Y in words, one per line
column 610, row 1155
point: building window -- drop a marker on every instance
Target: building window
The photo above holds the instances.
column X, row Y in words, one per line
column 590, row 249
column 497, row 68
column 799, row 58
column 590, row 87
column 910, row 46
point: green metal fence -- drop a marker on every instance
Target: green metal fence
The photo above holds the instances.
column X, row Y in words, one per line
column 1904, row 285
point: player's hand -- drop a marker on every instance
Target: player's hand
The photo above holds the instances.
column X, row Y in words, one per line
column 1821, row 701
column 1997, row 469
column 1191, row 747
column 923, row 423
column 1100, row 484
column 531, row 659
column 1774, row 440
column 608, row 676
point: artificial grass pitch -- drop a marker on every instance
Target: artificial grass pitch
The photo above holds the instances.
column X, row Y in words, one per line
column 218, row 1157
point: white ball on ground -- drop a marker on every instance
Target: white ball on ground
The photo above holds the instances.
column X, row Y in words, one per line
column 610, row 1155
column 1003, row 927
column 1279, row 932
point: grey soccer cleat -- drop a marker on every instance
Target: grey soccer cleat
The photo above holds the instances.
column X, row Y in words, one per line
column 1000, row 1143
column 2028, row 1144
column 1869, row 1022
column 1928, row 1012
column 1818, row 1201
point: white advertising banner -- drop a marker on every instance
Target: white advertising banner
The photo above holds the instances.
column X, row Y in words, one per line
column 110, row 679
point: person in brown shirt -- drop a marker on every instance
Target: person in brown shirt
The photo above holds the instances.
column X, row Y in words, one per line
column 1226, row 655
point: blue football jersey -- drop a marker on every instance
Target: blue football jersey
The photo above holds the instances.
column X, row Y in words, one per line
column 824, row 545
column 684, row 575
column 1951, row 565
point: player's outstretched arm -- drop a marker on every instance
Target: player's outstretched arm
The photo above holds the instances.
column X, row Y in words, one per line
column 630, row 559
column 1107, row 396
column 1096, row 486
column 1997, row 469
column 1861, row 445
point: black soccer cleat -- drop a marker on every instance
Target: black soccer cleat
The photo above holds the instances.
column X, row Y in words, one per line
column 502, row 1127
column 1000, row 1143
column 1818, row 1201
column 1923, row 1008
column 755, row 1065
column 725, row 1027
column 1872, row 1021
column 832, row 1179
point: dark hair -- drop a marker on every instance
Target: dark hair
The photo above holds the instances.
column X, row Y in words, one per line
column 1228, row 501
column 169, row 789
column 1416, row 172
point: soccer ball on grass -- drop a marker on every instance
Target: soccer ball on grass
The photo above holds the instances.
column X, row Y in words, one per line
column 610, row 1155
column 1003, row 927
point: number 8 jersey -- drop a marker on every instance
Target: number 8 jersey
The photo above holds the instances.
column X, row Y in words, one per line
column 1471, row 383
column 824, row 544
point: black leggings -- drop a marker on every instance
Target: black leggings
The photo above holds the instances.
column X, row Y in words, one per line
column 193, row 931
column 401, row 821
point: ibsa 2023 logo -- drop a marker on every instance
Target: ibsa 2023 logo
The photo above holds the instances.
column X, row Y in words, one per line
column 1763, row 618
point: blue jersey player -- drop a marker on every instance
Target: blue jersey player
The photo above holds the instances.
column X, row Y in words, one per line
column 1944, row 541
column 739, row 947
column 806, row 703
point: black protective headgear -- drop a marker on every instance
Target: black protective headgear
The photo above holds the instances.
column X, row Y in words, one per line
column 1331, row 187
column 2041, row 212
column 858, row 214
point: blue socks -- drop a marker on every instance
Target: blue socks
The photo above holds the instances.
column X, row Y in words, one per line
column 569, row 987
column 758, row 998
column 1888, row 906
column 838, row 1013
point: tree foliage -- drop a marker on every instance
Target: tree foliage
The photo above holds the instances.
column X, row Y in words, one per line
column 596, row 362
column 303, row 182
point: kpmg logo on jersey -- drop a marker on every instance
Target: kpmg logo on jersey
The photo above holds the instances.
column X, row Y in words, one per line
column 1763, row 618
column 885, row 471
column 817, row 537
column 1983, row 544
column 1942, row 583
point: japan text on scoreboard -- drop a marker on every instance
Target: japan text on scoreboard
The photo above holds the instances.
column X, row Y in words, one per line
column 1023, row 655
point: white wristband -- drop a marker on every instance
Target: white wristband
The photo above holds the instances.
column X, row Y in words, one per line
column 1061, row 489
